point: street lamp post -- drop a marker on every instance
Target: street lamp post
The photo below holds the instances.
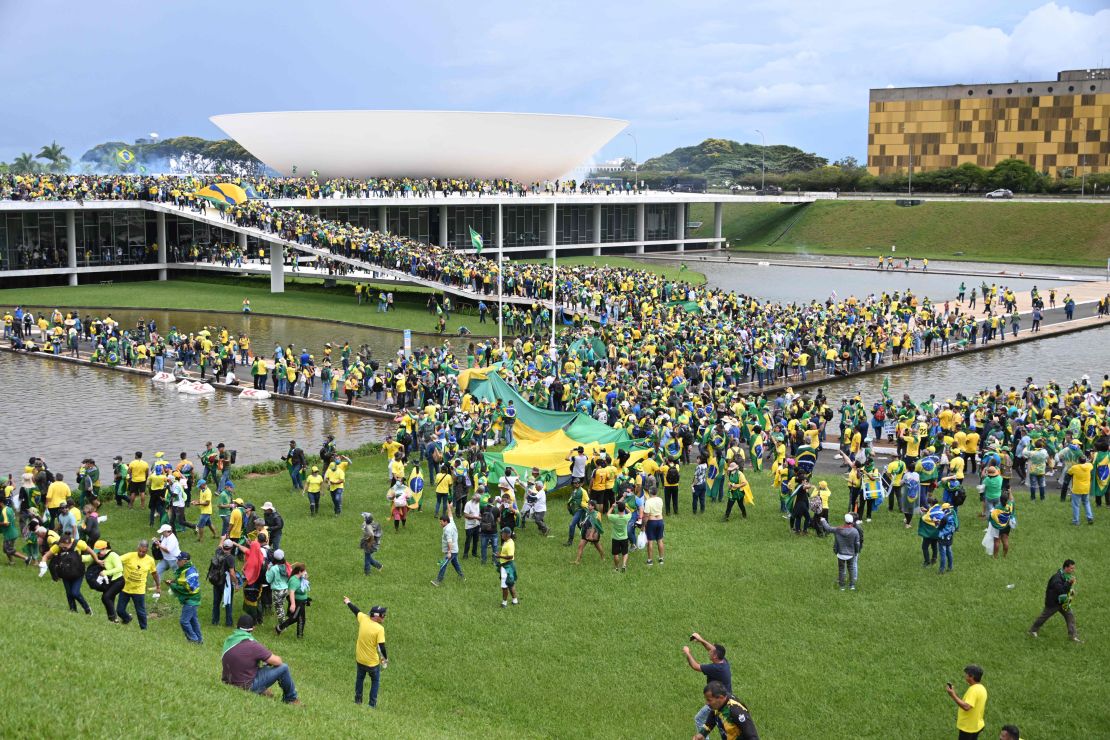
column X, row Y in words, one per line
column 763, row 169
column 635, row 161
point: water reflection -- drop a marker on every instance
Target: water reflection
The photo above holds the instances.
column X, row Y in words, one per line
column 65, row 412
column 1063, row 359
column 803, row 284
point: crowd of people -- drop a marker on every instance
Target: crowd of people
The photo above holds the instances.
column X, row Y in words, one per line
column 947, row 463
column 181, row 189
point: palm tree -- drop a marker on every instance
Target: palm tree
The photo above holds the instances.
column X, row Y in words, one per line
column 25, row 164
column 55, row 154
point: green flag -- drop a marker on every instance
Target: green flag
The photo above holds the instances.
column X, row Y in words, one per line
column 886, row 386
column 682, row 267
column 475, row 240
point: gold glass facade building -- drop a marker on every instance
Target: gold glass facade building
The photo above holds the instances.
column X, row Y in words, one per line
column 1060, row 127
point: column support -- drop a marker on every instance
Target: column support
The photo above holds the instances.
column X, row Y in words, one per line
column 277, row 267
column 680, row 225
column 160, row 219
column 641, row 232
column 443, row 226
column 718, row 221
column 71, row 245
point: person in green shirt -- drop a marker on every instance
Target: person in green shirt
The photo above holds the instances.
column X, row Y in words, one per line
column 224, row 507
column 298, row 600
column 185, row 585
column 9, row 528
column 110, row 578
column 619, row 516
column 1037, row 462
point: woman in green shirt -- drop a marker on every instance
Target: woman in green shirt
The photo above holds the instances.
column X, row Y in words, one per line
column 111, row 576
column 298, row 600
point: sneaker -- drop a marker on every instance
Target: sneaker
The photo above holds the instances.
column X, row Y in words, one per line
column 841, row 588
column 1032, row 633
column 516, row 601
column 868, row 520
column 649, row 562
column 852, row 588
column 660, row 561
column 624, row 568
column 1076, row 639
column 435, row 583
column 504, row 604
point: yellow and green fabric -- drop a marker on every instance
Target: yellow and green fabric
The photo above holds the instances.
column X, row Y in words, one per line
column 223, row 194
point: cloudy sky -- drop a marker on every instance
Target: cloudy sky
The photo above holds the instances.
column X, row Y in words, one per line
column 679, row 72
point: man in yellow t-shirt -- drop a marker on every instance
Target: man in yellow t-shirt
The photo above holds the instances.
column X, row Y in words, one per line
column 204, row 501
column 137, row 566
column 1080, row 474
column 56, row 495
column 312, row 486
column 969, row 715
column 370, row 652
column 336, row 477
column 137, row 471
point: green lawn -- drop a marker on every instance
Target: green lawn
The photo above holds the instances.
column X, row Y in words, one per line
column 667, row 271
column 590, row 652
column 1009, row 231
column 307, row 300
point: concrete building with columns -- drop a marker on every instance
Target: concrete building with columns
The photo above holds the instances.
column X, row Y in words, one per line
column 58, row 242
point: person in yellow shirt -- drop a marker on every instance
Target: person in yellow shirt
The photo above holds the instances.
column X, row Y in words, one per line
column 313, row 484
column 336, row 477
column 56, row 496
column 137, row 567
column 137, row 472
column 969, row 715
column 204, row 501
column 506, row 562
column 971, row 449
column 235, row 522
column 370, row 651
column 1080, row 474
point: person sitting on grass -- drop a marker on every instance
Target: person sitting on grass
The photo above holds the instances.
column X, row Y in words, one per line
column 249, row 665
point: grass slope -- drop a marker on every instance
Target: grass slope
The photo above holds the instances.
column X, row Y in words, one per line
column 587, row 644
column 746, row 224
column 1031, row 233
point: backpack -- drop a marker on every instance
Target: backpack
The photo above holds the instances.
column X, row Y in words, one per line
column 672, row 475
column 67, row 565
column 489, row 521
column 959, row 496
column 216, row 570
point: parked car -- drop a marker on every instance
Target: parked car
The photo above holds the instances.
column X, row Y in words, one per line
column 1000, row 193
column 770, row 190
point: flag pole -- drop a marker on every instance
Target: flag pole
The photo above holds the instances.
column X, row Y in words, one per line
column 554, row 283
column 500, row 308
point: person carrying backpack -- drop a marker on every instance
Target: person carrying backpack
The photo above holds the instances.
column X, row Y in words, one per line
column 487, row 528
column 185, row 585
column 223, row 577
column 370, row 542
column 64, row 562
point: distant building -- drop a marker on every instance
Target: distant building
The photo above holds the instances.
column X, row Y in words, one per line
column 1061, row 128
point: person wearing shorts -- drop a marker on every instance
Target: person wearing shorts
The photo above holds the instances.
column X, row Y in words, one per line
column 653, row 524
column 506, row 567
column 619, row 517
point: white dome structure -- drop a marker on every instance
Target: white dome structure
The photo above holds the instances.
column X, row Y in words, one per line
column 524, row 147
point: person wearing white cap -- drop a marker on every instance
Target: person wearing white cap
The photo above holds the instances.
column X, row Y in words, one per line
column 167, row 544
column 847, row 544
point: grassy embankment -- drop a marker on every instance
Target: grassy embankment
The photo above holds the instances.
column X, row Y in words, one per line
column 587, row 644
column 1006, row 231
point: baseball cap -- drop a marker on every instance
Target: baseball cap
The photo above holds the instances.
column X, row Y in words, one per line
column 183, row 555
column 267, row 506
column 246, row 622
column 165, row 528
column 100, row 545
column 279, row 555
column 228, row 544
column 377, row 611
column 237, row 501
column 848, row 518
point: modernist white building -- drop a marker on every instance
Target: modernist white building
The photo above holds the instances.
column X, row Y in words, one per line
column 524, row 147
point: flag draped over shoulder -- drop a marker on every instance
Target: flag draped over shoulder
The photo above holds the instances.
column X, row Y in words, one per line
column 476, row 240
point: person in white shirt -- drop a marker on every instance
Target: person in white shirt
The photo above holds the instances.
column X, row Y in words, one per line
column 472, row 513
column 167, row 543
column 179, row 499
column 449, row 543
column 536, row 505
